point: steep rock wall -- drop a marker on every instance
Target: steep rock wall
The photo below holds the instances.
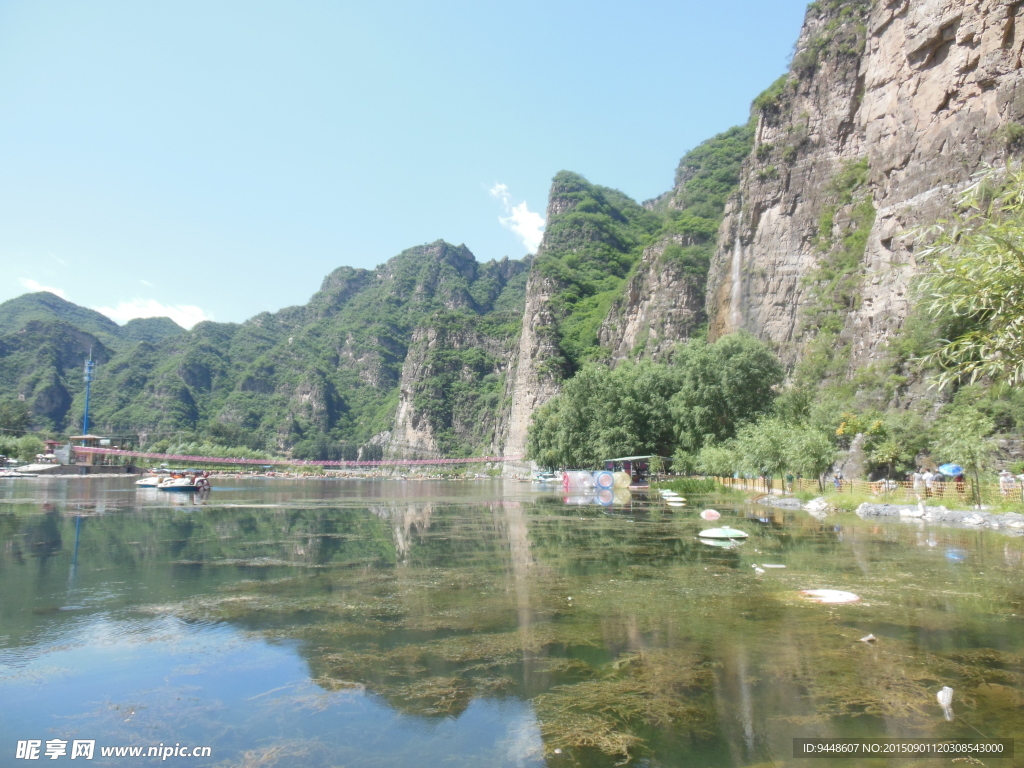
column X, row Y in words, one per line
column 593, row 238
column 451, row 387
column 922, row 90
column 662, row 305
column 534, row 380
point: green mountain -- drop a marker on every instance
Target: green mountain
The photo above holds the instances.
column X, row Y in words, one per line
column 42, row 363
column 18, row 312
column 151, row 329
column 321, row 379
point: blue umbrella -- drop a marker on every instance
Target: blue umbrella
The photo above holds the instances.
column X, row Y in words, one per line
column 951, row 470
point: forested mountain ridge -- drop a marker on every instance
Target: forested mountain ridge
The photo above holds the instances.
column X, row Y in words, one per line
column 794, row 227
column 44, row 341
column 44, row 306
column 319, row 380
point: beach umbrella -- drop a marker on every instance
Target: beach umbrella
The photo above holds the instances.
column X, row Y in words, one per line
column 951, row 470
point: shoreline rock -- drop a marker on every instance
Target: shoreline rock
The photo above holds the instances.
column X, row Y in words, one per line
column 1009, row 521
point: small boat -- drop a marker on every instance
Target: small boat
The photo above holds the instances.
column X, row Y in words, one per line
column 722, row 533
column 545, row 477
column 197, row 483
column 150, row 481
column 15, row 473
column 723, row 543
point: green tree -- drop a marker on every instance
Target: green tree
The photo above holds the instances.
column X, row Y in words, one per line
column 961, row 436
column 14, row 415
column 718, row 460
column 976, row 275
column 810, row 452
column 29, row 446
column 763, row 446
column 722, row 385
column 8, row 446
column 603, row 412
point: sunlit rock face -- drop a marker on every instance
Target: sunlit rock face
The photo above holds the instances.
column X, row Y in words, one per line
column 661, row 306
column 922, row 91
column 533, row 381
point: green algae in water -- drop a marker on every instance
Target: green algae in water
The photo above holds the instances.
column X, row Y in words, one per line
column 628, row 639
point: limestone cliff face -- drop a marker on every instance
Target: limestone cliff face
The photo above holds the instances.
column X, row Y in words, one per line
column 452, row 382
column 533, row 380
column 592, row 238
column 662, row 305
column 914, row 93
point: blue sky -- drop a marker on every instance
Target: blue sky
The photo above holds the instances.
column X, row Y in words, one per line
column 219, row 159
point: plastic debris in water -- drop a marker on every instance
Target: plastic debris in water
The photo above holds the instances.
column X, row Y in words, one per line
column 722, row 533
column 956, row 555
column 868, row 639
column 945, row 697
column 759, row 571
column 710, row 514
column 829, row 596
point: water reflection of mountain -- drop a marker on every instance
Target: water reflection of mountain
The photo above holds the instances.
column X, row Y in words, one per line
column 625, row 635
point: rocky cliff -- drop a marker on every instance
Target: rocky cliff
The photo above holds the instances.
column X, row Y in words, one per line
column 887, row 110
column 799, row 227
column 663, row 304
column 592, row 240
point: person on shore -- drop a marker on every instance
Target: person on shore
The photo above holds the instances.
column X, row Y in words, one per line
column 918, row 479
column 1007, row 483
column 838, row 481
column 929, row 480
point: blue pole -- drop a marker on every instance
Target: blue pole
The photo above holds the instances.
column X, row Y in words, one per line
column 88, row 383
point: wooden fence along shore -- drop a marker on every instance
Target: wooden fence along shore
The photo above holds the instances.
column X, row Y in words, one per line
column 887, row 491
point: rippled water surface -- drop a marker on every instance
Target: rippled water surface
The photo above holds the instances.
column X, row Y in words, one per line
column 390, row 623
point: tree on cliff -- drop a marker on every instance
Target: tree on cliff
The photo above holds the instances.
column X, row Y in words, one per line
column 975, row 281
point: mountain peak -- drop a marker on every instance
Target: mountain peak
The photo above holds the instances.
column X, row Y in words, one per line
column 16, row 313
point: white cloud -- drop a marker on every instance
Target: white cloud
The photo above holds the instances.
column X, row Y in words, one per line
column 146, row 283
column 527, row 225
column 36, row 286
column 184, row 315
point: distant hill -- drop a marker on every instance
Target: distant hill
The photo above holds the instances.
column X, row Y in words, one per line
column 417, row 347
column 44, row 306
column 44, row 341
column 42, row 363
column 151, row 329
column 16, row 313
